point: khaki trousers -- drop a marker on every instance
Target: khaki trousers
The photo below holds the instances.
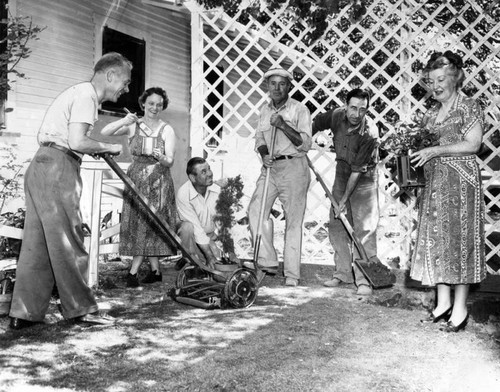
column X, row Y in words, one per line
column 289, row 181
column 52, row 250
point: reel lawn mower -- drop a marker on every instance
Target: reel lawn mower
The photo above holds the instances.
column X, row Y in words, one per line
column 227, row 285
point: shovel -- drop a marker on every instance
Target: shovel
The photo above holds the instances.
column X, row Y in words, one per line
column 375, row 272
column 258, row 234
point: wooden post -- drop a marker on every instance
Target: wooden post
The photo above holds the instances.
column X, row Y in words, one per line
column 95, row 227
column 197, row 93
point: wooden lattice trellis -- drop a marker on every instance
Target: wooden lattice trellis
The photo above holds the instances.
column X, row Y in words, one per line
column 380, row 52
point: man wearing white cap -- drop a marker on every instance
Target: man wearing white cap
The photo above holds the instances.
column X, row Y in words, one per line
column 289, row 175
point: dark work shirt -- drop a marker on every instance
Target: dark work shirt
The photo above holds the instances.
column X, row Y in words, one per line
column 346, row 141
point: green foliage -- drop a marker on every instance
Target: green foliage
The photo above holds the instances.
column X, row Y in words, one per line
column 20, row 30
column 10, row 175
column 314, row 12
column 227, row 204
column 317, row 14
column 410, row 136
column 10, row 247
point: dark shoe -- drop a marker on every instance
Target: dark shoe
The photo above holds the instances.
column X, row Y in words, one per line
column 270, row 270
column 152, row 277
column 450, row 327
column 266, row 269
column 96, row 319
column 180, row 263
column 17, row 323
column 445, row 316
column 132, row 280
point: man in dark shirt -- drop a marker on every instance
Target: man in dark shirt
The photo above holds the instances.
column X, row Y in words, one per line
column 355, row 187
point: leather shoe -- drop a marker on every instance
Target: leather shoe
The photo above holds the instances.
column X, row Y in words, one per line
column 266, row 269
column 445, row 316
column 292, row 282
column 450, row 327
column 132, row 280
column 364, row 289
column 270, row 270
column 152, row 277
column 335, row 282
column 96, row 319
column 180, row 263
column 17, row 323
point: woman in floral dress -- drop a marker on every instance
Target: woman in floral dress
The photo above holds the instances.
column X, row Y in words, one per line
column 150, row 172
column 449, row 250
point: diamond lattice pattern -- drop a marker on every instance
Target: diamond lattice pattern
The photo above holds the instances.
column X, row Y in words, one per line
column 384, row 52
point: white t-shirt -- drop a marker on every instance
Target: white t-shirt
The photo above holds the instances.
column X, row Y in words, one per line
column 77, row 104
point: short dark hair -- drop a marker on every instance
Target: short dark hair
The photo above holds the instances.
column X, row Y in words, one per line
column 192, row 163
column 154, row 90
column 452, row 62
column 359, row 93
column 112, row 60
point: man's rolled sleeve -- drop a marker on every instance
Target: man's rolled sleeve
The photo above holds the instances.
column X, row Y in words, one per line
column 322, row 122
column 304, row 128
column 83, row 109
column 259, row 140
column 262, row 126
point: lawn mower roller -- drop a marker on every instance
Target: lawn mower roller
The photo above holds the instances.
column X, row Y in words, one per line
column 226, row 285
column 375, row 272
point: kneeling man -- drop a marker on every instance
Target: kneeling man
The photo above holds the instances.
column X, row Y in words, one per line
column 196, row 201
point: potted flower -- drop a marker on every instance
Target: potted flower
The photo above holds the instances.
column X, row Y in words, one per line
column 409, row 137
column 227, row 204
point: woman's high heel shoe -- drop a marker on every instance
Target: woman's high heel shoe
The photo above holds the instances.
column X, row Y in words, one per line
column 450, row 327
column 445, row 316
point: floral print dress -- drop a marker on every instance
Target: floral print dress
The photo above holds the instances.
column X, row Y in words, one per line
column 139, row 235
column 450, row 241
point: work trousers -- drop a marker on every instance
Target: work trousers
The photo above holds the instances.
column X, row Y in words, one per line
column 289, row 181
column 52, row 250
column 185, row 231
column 362, row 213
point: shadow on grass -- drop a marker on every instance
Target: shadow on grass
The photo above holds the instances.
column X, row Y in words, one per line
column 291, row 339
column 164, row 345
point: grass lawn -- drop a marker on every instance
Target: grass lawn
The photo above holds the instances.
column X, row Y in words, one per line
column 308, row 338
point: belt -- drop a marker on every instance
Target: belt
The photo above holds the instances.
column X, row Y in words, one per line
column 283, row 157
column 65, row 150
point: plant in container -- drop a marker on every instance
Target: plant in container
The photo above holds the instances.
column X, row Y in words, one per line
column 408, row 137
column 227, row 204
column 11, row 223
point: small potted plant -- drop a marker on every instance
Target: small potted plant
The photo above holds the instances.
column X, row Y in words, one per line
column 409, row 137
column 227, row 204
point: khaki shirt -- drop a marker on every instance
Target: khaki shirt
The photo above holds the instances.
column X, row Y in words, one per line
column 296, row 115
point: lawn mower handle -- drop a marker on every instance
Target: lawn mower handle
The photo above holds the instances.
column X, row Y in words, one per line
column 159, row 221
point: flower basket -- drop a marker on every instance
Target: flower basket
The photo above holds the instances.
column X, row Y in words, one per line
column 407, row 175
column 408, row 137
